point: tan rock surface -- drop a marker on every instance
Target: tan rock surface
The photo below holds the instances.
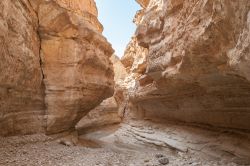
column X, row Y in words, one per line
column 75, row 73
column 21, row 89
column 120, row 72
column 134, row 59
column 104, row 114
column 188, row 62
column 198, row 54
column 143, row 3
column 110, row 111
column 75, row 58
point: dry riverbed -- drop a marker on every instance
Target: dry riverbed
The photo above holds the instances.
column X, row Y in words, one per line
column 116, row 148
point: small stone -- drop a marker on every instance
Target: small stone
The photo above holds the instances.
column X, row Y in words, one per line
column 66, row 143
column 159, row 156
column 25, row 152
column 164, row 161
column 146, row 161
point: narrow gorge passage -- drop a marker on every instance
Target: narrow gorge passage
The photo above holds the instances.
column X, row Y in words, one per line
column 179, row 95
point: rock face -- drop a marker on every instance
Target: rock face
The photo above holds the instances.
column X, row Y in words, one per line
column 55, row 64
column 188, row 61
column 75, row 57
column 104, row 114
column 143, row 3
column 197, row 65
column 110, row 111
column 21, row 88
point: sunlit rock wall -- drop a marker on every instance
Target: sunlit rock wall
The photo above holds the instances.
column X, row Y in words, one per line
column 21, row 88
column 75, row 57
column 54, row 65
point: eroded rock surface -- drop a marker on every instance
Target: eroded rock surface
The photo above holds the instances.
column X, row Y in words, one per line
column 55, row 64
column 197, row 62
column 111, row 110
column 22, row 104
column 188, row 61
column 75, row 57
column 104, row 114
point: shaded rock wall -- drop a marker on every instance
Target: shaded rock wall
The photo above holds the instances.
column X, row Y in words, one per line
column 104, row 114
column 197, row 63
column 55, row 65
column 110, row 111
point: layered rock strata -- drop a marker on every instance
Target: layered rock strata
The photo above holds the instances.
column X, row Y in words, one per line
column 111, row 110
column 104, row 114
column 22, row 105
column 75, row 59
column 197, row 62
column 55, row 65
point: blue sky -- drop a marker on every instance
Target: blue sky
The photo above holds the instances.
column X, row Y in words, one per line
column 117, row 18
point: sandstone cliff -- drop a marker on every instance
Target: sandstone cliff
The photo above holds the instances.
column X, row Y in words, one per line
column 21, row 87
column 54, row 64
column 110, row 111
column 197, row 65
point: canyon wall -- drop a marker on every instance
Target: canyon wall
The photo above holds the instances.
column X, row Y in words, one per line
column 21, row 87
column 188, row 61
column 54, row 64
column 197, row 62
column 110, row 111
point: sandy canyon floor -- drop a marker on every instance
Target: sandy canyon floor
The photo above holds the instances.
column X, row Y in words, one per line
column 140, row 143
